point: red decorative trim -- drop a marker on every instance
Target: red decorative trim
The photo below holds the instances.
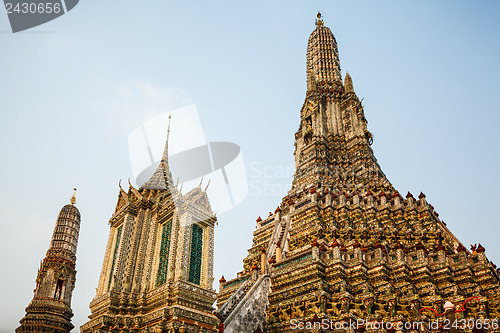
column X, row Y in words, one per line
column 462, row 308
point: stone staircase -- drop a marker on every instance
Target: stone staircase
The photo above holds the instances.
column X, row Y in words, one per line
column 228, row 307
column 274, row 238
column 283, row 238
column 245, row 310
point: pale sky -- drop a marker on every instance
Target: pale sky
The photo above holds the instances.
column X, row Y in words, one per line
column 72, row 91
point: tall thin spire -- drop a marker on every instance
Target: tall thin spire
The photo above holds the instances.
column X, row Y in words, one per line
column 164, row 157
column 161, row 178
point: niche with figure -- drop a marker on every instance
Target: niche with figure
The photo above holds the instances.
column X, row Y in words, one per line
column 59, row 288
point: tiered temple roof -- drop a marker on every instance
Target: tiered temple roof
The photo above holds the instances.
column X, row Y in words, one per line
column 157, row 272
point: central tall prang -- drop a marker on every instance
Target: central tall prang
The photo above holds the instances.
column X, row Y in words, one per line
column 344, row 246
column 332, row 144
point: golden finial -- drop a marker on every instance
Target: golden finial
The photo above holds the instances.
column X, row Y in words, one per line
column 319, row 20
column 73, row 197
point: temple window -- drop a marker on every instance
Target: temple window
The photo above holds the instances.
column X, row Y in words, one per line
column 115, row 253
column 196, row 254
column 161, row 277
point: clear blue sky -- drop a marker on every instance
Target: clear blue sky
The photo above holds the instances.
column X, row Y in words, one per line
column 72, row 90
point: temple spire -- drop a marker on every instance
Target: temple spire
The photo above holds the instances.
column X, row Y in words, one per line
column 50, row 308
column 348, row 86
column 341, row 215
column 161, row 178
column 323, row 65
column 332, row 138
column 164, row 157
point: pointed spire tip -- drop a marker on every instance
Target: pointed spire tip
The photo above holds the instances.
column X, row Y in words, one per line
column 319, row 20
column 73, row 197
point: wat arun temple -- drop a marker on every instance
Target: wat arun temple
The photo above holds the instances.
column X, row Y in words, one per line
column 343, row 252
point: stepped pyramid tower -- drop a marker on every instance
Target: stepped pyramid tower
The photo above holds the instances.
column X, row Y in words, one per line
column 50, row 309
column 344, row 247
column 157, row 272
